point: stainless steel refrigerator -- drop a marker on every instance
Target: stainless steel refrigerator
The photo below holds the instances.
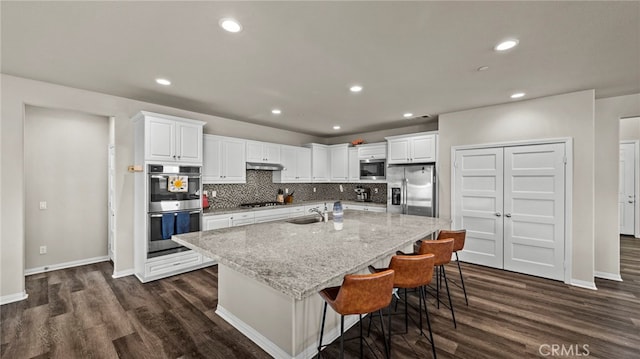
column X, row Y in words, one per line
column 412, row 190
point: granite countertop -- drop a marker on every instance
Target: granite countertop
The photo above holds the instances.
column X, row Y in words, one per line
column 299, row 260
column 214, row 211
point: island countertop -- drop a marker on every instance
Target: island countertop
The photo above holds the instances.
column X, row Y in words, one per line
column 299, row 260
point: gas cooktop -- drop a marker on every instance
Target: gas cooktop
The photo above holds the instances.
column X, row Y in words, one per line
column 261, row 204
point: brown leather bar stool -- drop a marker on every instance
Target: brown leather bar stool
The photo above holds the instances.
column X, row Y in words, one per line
column 443, row 250
column 359, row 294
column 458, row 244
column 412, row 272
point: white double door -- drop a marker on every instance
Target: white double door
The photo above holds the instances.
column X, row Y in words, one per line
column 511, row 202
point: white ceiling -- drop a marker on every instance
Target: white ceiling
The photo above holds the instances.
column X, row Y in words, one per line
column 301, row 57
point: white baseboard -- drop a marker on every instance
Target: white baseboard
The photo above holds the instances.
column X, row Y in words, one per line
column 583, row 284
column 610, row 276
column 6, row 299
column 64, row 265
column 270, row 347
column 123, row 273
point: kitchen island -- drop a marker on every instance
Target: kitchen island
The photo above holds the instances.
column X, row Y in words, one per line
column 269, row 274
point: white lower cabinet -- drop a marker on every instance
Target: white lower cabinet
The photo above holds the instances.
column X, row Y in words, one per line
column 365, row 207
column 242, row 219
column 269, row 215
column 170, row 263
column 216, row 222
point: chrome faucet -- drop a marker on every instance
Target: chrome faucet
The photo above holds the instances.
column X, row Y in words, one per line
column 316, row 210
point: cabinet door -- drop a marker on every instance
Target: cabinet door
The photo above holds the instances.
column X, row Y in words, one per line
column 212, row 159
column 423, row 149
column 217, row 222
column 339, row 163
column 354, row 165
column 271, row 152
column 398, row 151
column 234, row 165
column 288, row 158
column 189, row 142
column 255, row 152
column 303, row 165
column 160, row 136
column 319, row 170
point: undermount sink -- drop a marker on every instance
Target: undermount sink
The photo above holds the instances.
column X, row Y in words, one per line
column 307, row 219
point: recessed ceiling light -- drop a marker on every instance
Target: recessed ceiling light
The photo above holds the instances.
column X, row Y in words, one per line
column 276, row 111
column 506, row 45
column 230, row 25
column 407, row 115
column 163, row 82
column 518, row 95
column 336, row 127
column 355, row 88
column 483, row 68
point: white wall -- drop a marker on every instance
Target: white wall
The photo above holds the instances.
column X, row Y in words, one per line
column 569, row 115
column 66, row 166
column 629, row 126
column 609, row 131
column 16, row 92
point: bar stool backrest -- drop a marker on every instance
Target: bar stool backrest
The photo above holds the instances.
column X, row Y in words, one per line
column 364, row 293
column 441, row 248
column 412, row 271
column 458, row 237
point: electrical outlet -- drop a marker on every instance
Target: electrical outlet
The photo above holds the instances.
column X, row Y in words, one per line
column 314, row 190
column 375, row 190
column 43, row 249
column 43, row 204
column 341, row 189
column 286, row 190
column 214, row 194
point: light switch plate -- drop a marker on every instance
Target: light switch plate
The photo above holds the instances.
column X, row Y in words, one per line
column 214, row 193
column 43, row 205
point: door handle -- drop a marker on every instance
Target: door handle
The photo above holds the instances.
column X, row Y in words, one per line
column 498, row 214
column 508, row 215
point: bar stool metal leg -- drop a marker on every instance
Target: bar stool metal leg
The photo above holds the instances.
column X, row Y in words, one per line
column 453, row 316
column 324, row 315
column 423, row 298
column 464, row 290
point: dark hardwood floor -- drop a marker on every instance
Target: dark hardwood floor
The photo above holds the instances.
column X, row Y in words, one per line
column 83, row 313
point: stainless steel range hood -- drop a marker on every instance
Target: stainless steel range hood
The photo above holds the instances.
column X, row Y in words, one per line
column 264, row 166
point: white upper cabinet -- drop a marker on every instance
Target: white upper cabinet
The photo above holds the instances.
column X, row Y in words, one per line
column 263, row 152
column 224, row 160
column 373, row 151
column 297, row 165
column 320, row 170
column 339, row 162
column 171, row 139
column 354, row 164
column 414, row 148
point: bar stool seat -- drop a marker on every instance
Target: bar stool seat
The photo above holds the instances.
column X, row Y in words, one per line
column 359, row 294
column 412, row 272
column 443, row 250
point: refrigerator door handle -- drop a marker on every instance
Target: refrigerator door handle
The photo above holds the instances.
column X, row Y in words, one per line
column 406, row 193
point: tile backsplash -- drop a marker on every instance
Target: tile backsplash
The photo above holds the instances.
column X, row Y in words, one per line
column 260, row 188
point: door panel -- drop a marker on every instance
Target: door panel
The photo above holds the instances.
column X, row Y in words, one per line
column 478, row 204
column 626, row 194
column 534, row 210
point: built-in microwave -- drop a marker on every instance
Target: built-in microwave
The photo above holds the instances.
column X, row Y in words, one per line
column 372, row 169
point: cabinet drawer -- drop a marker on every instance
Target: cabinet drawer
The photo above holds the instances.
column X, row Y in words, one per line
column 297, row 211
column 172, row 264
column 271, row 215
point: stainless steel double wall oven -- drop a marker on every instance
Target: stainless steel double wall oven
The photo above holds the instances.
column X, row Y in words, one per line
column 175, row 206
